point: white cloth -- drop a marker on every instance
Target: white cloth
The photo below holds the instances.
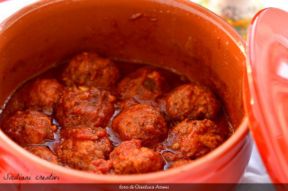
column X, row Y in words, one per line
column 255, row 172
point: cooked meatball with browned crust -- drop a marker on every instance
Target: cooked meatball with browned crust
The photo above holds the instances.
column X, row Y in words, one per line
column 130, row 158
column 84, row 133
column 101, row 166
column 89, row 69
column 195, row 138
column 43, row 152
column 85, row 106
column 192, row 101
column 29, row 127
column 80, row 146
column 43, row 95
column 142, row 122
column 40, row 95
column 180, row 163
column 143, row 84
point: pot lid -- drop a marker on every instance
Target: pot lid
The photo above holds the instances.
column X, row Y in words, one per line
column 266, row 90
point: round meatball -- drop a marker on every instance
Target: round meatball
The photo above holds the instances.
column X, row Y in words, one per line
column 130, row 158
column 84, row 133
column 43, row 152
column 29, row 127
column 101, row 166
column 144, row 84
column 83, row 145
column 85, row 106
column 43, row 95
column 141, row 122
column 180, row 163
column 192, row 101
column 195, row 138
column 88, row 69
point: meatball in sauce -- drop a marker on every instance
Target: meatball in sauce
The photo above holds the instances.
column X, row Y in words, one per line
column 192, row 101
column 85, row 106
column 141, row 122
column 81, row 146
column 43, row 95
column 89, row 69
column 131, row 158
column 43, row 152
column 143, row 84
column 108, row 116
column 29, row 127
column 194, row 138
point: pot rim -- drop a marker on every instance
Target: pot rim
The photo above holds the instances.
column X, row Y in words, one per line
column 240, row 133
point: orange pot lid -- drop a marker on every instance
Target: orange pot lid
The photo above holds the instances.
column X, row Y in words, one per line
column 266, row 89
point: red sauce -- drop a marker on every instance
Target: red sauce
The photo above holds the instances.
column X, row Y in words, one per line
column 172, row 81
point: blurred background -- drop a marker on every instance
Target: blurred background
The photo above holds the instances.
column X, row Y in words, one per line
column 240, row 12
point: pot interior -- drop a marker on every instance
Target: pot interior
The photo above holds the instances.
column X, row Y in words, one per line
column 169, row 34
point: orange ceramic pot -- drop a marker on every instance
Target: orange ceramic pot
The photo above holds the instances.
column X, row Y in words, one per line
column 169, row 33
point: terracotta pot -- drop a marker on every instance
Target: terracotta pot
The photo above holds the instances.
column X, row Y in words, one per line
column 170, row 33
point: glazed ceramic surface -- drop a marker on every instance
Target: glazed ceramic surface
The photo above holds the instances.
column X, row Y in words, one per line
column 168, row 33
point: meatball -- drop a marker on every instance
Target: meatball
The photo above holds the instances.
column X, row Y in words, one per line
column 85, row 106
column 89, row 69
column 83, row 145
column 43, row 152
column 192, row 101
column 43, row 95
column 84, row 133
column 144, row 84
column 180, row 163
column 29, row 127
column 195, row 138
column 141, row 122
column 130, row 158
column 101, row 166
